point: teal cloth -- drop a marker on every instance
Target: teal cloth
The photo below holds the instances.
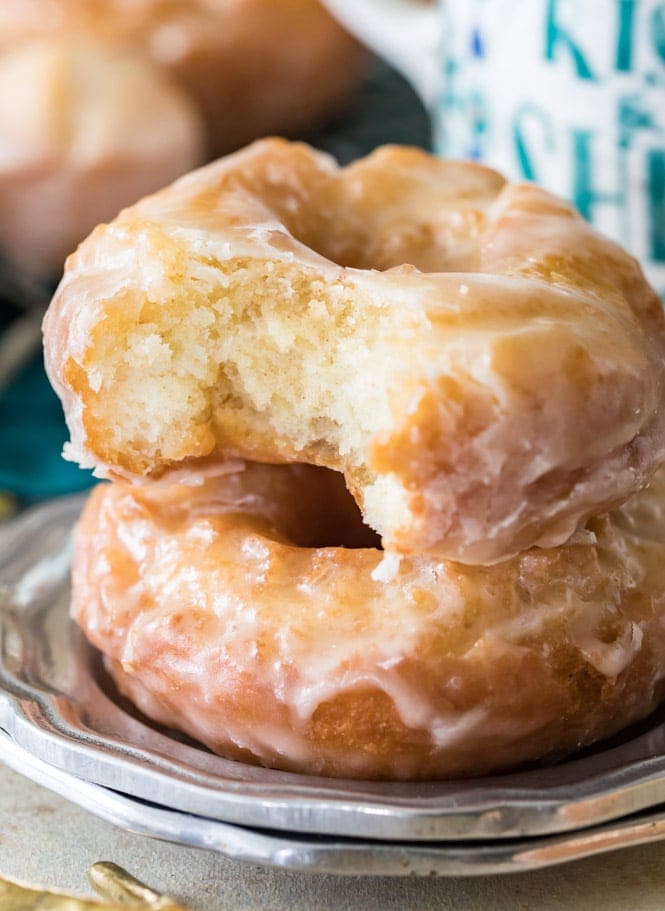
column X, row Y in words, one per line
column 32, row 428
column 33, row 432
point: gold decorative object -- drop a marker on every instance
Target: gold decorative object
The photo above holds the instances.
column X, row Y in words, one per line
column 7, row 505
column 110, row 881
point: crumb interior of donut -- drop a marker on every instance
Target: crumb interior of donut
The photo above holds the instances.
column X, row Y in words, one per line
column 301, row 361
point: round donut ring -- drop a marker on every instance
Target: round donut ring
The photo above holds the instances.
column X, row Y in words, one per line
column 253, row 67
column 491, row 395
column 225, row 612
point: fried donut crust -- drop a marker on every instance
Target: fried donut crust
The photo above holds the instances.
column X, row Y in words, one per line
column 484, row 368
column 226, row 611
column 253, row 67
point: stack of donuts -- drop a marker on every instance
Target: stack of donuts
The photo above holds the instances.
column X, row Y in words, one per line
column 385, row 447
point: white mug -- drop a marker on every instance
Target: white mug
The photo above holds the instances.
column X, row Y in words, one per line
column 569, row 93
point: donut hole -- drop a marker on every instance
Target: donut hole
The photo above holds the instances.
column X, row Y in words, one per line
column 424, row 244
column 381, row 213
column 324, row 513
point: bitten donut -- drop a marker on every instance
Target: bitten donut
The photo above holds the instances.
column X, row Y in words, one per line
column 227, row 611
column 252, row 67
column 84, row 131
column 484, row 369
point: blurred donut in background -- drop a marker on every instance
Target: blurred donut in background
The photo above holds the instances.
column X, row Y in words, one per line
column 83, row 133
column 103, row 101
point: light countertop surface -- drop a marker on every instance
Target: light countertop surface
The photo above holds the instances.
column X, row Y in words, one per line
column 43, row 838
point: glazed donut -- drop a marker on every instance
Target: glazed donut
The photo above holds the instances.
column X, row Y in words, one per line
column 485, row 369
column 253, row 67
column 227, row 611
column 85, row 131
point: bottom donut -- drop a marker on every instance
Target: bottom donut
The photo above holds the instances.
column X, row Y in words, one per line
column 256, row 613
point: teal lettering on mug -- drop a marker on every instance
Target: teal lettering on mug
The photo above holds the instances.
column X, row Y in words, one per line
column 625, row 32
column 585, row 196
column 556, row 35
column 656, row 167
column 657, row 31
column 529, row 113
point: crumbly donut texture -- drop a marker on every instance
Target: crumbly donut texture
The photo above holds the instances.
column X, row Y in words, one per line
column 225, row 612
column 484, row 368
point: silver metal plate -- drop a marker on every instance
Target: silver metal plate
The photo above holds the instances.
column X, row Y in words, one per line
column 57, row 705
column 326, row 854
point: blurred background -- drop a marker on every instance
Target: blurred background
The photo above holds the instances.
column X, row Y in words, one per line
column 88, row 126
